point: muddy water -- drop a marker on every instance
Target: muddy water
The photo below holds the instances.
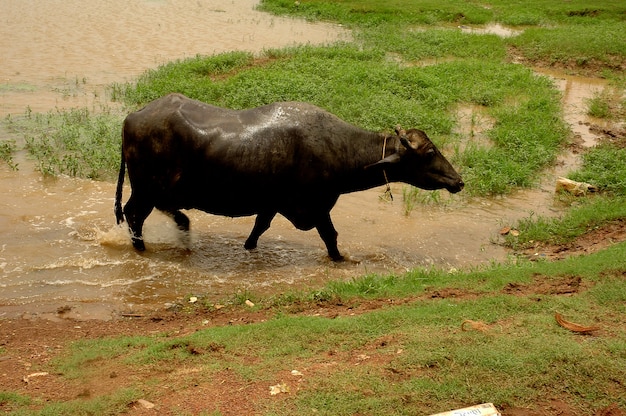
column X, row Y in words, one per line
column 58, row 242
column 62, row 52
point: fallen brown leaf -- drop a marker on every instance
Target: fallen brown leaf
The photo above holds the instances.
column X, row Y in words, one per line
column 475, row 325
column 574, row 327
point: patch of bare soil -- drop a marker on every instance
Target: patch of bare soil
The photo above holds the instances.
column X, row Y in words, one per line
column 614, row 134
column 568, row 285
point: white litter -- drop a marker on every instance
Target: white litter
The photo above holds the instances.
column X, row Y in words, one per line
column 485, row 409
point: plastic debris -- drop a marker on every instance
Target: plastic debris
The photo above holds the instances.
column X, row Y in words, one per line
column 145, row 404
column 485, row 409
column 27, row 378
column 573, row 187
column 279, row 388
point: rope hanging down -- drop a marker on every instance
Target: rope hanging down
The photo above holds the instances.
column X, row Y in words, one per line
column 387, row 195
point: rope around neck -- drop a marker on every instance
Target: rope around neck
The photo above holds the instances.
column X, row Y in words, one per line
column 387, row 195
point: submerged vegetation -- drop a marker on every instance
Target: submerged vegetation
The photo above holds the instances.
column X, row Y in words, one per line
column 7, row 148
column 73, row 142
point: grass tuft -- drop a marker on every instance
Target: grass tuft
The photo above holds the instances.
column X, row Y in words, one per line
column 72, row 142
column 7, row 148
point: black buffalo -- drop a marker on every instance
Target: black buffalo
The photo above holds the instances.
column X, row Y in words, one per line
column 290, row 158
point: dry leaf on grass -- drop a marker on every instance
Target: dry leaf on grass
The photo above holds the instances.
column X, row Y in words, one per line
column 581, row 329
column 468, row 324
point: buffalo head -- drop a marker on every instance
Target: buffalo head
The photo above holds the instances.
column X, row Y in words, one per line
column 418, row 162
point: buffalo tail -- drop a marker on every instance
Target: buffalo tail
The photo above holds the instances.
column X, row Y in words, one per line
column 119, row 213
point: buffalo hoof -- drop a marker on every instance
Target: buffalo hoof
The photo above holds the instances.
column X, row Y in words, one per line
column 337, row 257
column 249, row 245
column 345, row 260
column 139, row 244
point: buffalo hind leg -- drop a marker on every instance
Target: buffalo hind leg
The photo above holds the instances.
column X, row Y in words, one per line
column 182, row 222
column 328, row 233
column 136, row 211
column 261, row 224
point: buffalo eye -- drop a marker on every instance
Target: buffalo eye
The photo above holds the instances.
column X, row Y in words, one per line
column 430, row 153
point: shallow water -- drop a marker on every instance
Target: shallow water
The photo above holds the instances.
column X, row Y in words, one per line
column 63, row 52
column 59, row 244
column 492, row 29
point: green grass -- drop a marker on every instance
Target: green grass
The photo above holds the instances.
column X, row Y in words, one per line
column 409, row 358
column 599, row 106
column 415, row 45
column 605, row 167
column 73, row 367
column 573, row 34
column 114, row 404
column 10, row 400
column 372, row 13
column 575, row 45
column 429, row 12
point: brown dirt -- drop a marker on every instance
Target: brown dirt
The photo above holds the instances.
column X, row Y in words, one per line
column 25, row 355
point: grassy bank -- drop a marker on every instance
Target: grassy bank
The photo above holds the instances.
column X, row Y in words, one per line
column 578, row 35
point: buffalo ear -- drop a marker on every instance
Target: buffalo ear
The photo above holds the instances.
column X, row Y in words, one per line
column 391, row 159
column 400, row 131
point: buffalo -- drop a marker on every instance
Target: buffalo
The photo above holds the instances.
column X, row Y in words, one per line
column 291, row 158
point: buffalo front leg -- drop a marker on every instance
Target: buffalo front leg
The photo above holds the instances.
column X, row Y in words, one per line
column 329, row 235
column 136, row 211
column 261, row 224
